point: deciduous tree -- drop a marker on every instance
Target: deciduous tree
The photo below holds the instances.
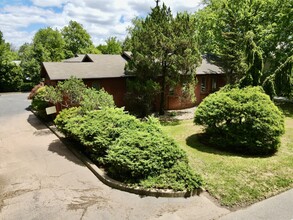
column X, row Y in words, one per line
column 112, row 46
column 77, row 40
column 48, row 45
column 10, row 74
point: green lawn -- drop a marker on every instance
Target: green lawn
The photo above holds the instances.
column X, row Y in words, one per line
column 236, row 180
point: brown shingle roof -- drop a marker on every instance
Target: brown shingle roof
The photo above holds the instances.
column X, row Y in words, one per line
column 104, row 66
column 207, row 67
column 78, row 58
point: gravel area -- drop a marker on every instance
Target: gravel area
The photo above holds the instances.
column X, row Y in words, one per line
column 183, row 114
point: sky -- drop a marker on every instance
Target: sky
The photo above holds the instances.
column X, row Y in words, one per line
column 21, row 19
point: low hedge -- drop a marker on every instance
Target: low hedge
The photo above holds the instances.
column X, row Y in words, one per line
column 131, row 150
column 39, row 104
column 241, row 120
column 140, row 153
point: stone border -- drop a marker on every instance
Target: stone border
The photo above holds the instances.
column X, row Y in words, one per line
column 103, row 177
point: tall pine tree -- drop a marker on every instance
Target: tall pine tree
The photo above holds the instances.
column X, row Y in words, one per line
column 164, row 48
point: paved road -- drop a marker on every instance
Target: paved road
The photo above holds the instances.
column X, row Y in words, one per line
column 279, row 207
column 41, row 179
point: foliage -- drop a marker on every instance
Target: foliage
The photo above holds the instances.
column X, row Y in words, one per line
column 26, row 86
column 252, row 38
column 143, row 152
column 163, row 47
column 113, row 46
column 142, row 103
column 10, row 74
column 29, row 65
column 48, row 45
column 73, row 92
column 93, row 99
column 64, row 116
column 39, row 104
column 77, row 40
column 280, row 83
column 131, row 150
column 243, row 120
column 254, row 61
column 179, row 177
column 34, row 90
column 97, row 130
column 68, row 93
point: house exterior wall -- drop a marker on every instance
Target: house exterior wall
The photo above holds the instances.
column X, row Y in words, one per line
column 114, row 86
column 208, row 84
column 174, row 99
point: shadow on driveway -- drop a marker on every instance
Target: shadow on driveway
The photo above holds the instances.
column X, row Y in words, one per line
column 59, row 148
column 35, row 122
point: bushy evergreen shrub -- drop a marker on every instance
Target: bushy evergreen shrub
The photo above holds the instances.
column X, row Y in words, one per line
column 38, row 102
column 131, row 150
column 64, row 117
column 143, row 152
column 179, row 177
column 242, row 120
column 93, row 99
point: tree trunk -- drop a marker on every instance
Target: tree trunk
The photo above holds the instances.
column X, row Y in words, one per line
column 162, row 100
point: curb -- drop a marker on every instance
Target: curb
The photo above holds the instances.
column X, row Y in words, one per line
column 101, row 175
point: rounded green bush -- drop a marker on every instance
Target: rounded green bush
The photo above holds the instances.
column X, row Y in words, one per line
column 241, row 120
column 141, row 153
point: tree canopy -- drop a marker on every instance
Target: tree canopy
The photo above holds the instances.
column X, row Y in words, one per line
column 77, row 40
column 48, row 45
column 10, row 74
column 253, row 38
column 112, row 46
column 163, row 47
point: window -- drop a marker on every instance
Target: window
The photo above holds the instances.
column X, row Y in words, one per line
column 203, row 84
column 96, row 85
column 214, row 84
column 171, row 91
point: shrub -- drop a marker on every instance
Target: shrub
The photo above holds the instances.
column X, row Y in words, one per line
column 179, row 177
column 130, row 149
column 141, row 153
column 242, row 120
column 96, row 130
column 63, row 118
column 34, row 90
column 93, row 99
column 26, row 86
column 141, row 96
column 39, row 104
column 73, row 92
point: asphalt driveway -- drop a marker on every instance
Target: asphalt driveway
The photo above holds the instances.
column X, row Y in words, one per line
column 41, row 179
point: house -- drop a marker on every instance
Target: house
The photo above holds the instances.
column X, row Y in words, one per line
column 108, row 72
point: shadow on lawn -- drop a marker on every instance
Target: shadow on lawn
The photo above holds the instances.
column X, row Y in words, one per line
column 286, row 108
column 197, row 141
